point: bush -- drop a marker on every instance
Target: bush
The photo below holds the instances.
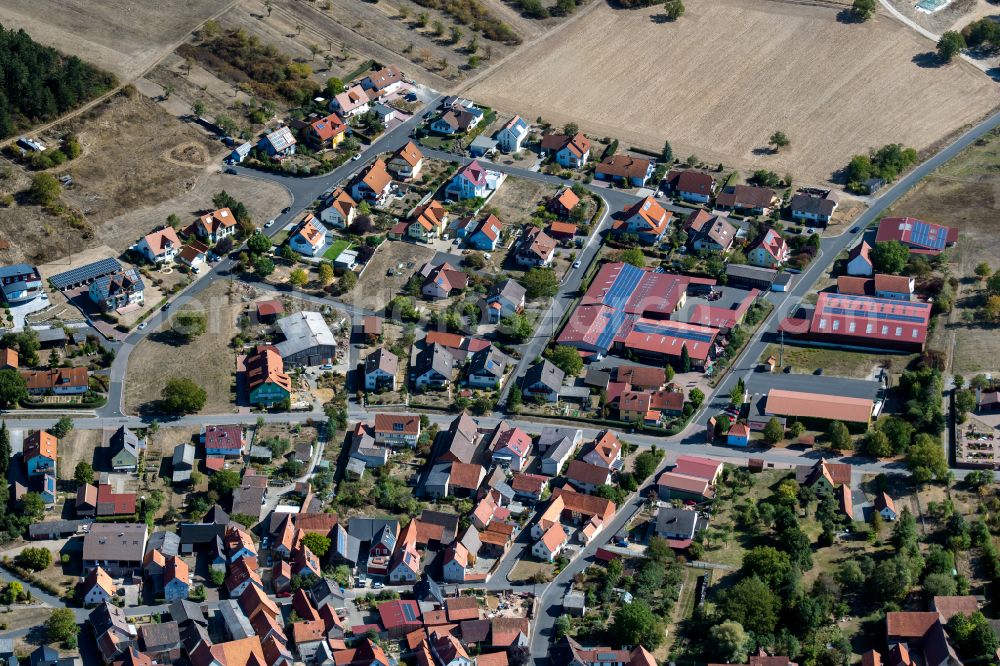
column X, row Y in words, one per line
column 34, row 559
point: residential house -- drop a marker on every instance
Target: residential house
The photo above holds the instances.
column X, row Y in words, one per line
column 405, row 565
column 279, row 143
column 693, row 186
column 243, row 573
column 859, row 260
column 505, row 299
column 213, row 227
column 40, row 453
column 455, row 563
column 383, row 81
column 183, row 463
column 529, row 487
column 373, row 184
column 193, row 254
column 340, row 211
column 457, row 120
column 118, row 548
column 406, row 162
column 770, row 251
column 112, row 631
column 625, row 169
column 267, row 381
column 352, row 102
column 309, row 236
column 111, row 503
column 543, row 380
column 125, row 449
column 57, row 381
column 97, row 587
column 708, row 232
column 885, row 506
column 325, row 132
column 571, row 152
column 427, row 221
column 535, row 248
column 895, row 287
column 564, row 203
column 510, row 446
column 433, row 368
column 814, row 207
column 646, row 219
column 738, row 435
column 509, row 632
column 472, row 181
column 920, row 237
column 486, row 368
column 448, row 651
column 606, row 451
column 8, row 359
column 239, row 544
column 20, row 282
column 747, row 199
column 677, row 526
column 176, row 579
column 397, row 430
column 161, row 641
column 486, row 235
column 381, row 367
column 512, row 135
column 461, row 440
column 222, row 440
column 586, row 477
column 441, row 280
column 118, row 290
column 160, row 246
column 557, row 455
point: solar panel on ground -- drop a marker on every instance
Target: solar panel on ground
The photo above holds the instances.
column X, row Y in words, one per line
column 85, row 273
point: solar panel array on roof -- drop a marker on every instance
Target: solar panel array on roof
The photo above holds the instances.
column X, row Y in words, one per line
column 615, row 320
column 925, row 235
column 85, row 273
column 626, row 282
column 883, row 309
column 409, row 613
column 677, row 332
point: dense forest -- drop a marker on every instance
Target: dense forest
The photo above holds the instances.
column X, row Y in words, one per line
column 37, row 83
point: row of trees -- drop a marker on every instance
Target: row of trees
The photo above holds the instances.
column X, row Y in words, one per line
column 885, row 163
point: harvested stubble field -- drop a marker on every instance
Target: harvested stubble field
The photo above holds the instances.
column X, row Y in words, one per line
column 835, row 89
column 122, row 36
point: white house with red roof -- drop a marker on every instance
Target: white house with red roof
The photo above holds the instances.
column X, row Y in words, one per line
column 160, row 246
column 407, row 161
column 646, row 219
column 340, row 210
column 216, row 225
column 351, row 102
column 427, row 221
column 859, row 260
column 770, row 250
column 551, row 544
column 374, row 183
column 309, row 238
column 474, row 180
column 606, row 451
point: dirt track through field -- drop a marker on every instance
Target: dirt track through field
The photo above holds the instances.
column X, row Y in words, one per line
column 720, row 80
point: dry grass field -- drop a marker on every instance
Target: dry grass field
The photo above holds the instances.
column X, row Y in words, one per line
column 718, row 82
column 965, row 193
column 122, row 36
column 375, row 288
column 208, row 360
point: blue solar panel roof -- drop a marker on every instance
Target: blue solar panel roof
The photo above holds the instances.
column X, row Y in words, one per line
column 660, row 329
column 615, row 320
column 923, row 234
column 85, row 273
column 623, row 286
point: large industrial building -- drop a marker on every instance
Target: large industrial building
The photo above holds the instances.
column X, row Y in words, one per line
column 863, row 322
column 307, row 340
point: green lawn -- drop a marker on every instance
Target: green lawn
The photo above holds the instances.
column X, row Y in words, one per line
column 336, row 248
column 279, row 238
column 836, row 362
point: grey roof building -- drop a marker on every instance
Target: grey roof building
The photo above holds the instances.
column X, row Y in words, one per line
column 676, row 524
column 307, row 339
column 366, row 529
column 552, row 435
column 449, row 521
column 344, row 547
column 183, row 611
column 234, row 621
column 168, row 543
column 486, row 367
column 544, row 379
column 461, row 444
column 248, row 501
column 183, row 463
column 325, row 591
column 433, row 366
column 557, row 455
column 438, row 480
column 117, row 547
column 125, row 447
